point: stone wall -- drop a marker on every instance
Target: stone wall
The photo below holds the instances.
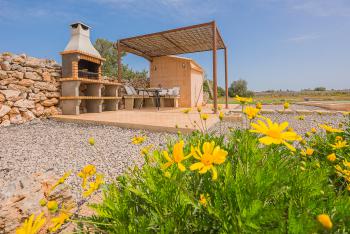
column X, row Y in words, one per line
column 28, row 88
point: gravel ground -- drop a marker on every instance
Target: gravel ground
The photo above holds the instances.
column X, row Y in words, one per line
column 300, row 126
column 48, row 145
column 292, row 107
column 55, row 146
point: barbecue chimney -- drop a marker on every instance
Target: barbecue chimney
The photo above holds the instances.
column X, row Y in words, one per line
column 80, row 40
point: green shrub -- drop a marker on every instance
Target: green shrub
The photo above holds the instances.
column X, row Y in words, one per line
column 264, row 189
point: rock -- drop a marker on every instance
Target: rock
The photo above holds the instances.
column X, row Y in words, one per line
column 17, row 87
column 16, row 119
column 32, row 76
column 39, row 110
column 37, row 97
column 46, row 76
column 49, row 102
column 8, row 81
column 3, row 74
column 28, row 115
column 19, row 59
column 14, row 111
column 18, row 75
column 51, row 111
column 23, row 103
column 45, row 86
column 33, row 62
column 5, row 117
column 9, row 94
column 26, row 82
column 20, row 198
column 5, row 123
column 52, row 94
column 9, row 103
column 55, row 74
column 2, row 98
column 4, row 109
column 5, row 65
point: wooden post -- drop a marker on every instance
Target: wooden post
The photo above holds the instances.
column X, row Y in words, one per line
column 120, row 67
column 226, row 79
column 215, row 82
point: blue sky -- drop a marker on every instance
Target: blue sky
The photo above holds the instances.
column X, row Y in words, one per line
column 273, row 44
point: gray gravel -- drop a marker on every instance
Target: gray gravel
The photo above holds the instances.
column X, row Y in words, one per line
column 300, row 126
column 292, row 107
column 49, row 145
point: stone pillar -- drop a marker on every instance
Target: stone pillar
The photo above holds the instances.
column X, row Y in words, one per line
column 94, row 90
column 70, row 88
column 75, row 73
column 94, row 106
column 70, row 107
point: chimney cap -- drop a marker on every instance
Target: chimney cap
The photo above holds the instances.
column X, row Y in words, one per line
column 83, row 25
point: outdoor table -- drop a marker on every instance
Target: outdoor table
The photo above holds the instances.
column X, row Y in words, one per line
column 156, row 91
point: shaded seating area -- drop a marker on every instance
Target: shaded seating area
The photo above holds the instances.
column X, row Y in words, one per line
column 150, row 97
column 159, row 49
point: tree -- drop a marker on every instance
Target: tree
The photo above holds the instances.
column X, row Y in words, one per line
column 240, row 88
column 110, row 67
column 221, row 92
column 320, row 89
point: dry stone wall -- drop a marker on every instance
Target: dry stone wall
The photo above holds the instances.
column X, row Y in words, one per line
column 29, row 88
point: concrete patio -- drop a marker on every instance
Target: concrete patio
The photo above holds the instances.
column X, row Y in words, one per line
column 164, row 120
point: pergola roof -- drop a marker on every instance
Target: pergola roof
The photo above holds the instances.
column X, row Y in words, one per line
column 184, row 40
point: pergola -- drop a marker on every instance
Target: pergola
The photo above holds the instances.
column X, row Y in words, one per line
column 191, row 39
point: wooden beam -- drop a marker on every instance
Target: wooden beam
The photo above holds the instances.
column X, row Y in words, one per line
column 215, row 82
column 173, row 43
column 136, row 52
column 226, row 80
column 120, row 67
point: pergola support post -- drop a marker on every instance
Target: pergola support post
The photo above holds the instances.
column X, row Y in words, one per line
column 215, row 84
column 120, row 67
column 226, row 80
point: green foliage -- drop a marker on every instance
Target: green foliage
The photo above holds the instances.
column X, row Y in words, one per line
column 259, row 189
column 320, row 89
column 110, row 67
column 221, row 91
column 240, row 88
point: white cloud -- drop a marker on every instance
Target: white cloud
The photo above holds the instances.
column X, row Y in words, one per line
column 303, row 38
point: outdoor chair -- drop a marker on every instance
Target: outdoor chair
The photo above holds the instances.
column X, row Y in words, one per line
column 133, row 98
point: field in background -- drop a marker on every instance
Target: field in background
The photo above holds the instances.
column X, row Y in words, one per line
column 278, row 97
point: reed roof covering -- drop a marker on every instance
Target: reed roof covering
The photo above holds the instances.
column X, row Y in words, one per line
column 191, row 39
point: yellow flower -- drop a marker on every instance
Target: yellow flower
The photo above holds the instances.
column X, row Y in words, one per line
column 204, row 117
column 199, row 109
column 339, row 145
column 145, row 150
column 59, row 220
column 300, row 117
column 86, row 172
column 167, row 174
column 346, row 163
column 286, row 105
column 258, row 105
column 138, row 140
column 31, row 226
column 290, row 129
column 210, row 155
column 307, row 152
column 52, row 206
column 308, row 134
column 178, row 156
column 325, row 221
column 43, row 202
column 203, row 200
column 251, row 112
column 219, row 107
column 61, row 180
column 243, row 100
column 329, row 129
column 338, row 138
column 93, row 186
column 313, row 130
column 186, row 111
column 91, row 141
column 221, row 115
column 274, row 133
column 332, row 157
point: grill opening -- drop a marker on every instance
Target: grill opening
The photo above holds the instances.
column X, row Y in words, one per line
column 87, row 69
